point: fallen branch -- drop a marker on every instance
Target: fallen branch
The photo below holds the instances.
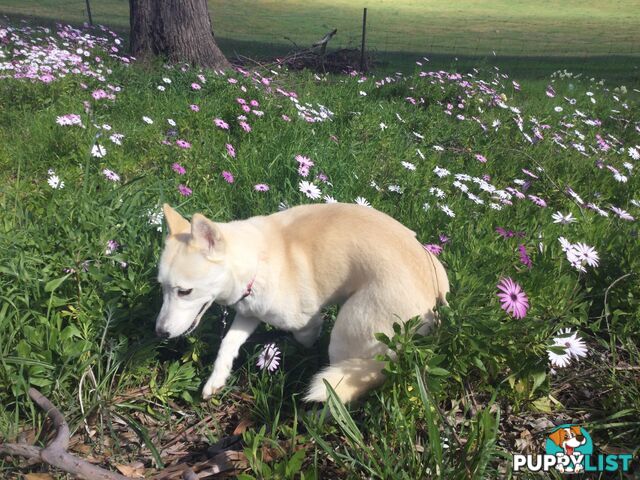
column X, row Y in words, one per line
column 56, row 455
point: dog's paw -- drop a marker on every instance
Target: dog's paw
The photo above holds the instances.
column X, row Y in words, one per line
column 211, row 388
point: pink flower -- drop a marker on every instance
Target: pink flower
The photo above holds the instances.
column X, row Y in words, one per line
column 99, row 94
column 195, row 108
column 432, row 248
column 112, row 246
column 513, row 299
column 195, row 86
column 303, row 170
column 245, row 126
column 183, row 144
column 241, row 101
column 508, row 233
column 221, row 123
column 286, row 118
column 538, row 201
column 230, row 150
column 179, row 169
column 254, row 103
column 246, row 108
column 261, row 187
column 228, row 176
column 481, row 158
column 304, row 161
column 184, row 190
column 524, row 258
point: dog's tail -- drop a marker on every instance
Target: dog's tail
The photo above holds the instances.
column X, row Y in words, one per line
column 349, row 378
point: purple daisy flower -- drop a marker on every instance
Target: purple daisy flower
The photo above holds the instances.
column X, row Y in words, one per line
column 195, row 108
column 230, row 150
column 111, row 175
column 261, row 187
column 228, row 176
column 432, row 248
column 538, row 201
column 524, row 258
column 179, row 169
column 112, row 246
column 512, row 298
column 221, row 123
column 183, row 144
column 184, row 190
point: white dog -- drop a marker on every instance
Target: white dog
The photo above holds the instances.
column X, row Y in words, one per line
column 285, row 268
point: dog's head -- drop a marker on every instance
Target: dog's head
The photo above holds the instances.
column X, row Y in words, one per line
column 192, row 272
column 568, row 438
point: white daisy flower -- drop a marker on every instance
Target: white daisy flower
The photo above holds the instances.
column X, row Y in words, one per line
column 55, row 182
column 558, row 217
column 447, row 210
column 309, row 189
column 441, row 172
column 408, row 165
column 98, row 151
column 362, row 201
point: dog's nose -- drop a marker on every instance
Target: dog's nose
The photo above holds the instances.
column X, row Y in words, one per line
column 162, row 333
column 580, row 438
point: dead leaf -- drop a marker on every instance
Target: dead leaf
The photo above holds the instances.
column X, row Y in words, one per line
column 525, row 442
column 38, row 476
column 133, row 470
column 242, row 426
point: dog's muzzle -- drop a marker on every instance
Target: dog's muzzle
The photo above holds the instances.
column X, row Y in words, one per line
column 162, row 333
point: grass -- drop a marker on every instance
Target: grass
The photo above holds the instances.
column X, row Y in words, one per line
column 536, row 38
column 77, row 322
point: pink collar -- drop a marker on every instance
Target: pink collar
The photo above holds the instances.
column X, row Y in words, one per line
column 248, row 291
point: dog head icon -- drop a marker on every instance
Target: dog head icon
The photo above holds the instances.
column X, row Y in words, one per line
column 568, row 439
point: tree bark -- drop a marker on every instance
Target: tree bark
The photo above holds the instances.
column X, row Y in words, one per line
column 179, row 30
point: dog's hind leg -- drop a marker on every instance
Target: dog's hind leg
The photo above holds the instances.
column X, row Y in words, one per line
column 353, row 369
column 240, row 330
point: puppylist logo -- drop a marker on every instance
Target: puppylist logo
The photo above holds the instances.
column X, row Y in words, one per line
column 569, row 449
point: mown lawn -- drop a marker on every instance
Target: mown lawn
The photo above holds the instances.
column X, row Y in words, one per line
column 530, row 39
column 475, row 163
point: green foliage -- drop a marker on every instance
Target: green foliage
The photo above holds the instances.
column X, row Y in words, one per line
column 77, row 322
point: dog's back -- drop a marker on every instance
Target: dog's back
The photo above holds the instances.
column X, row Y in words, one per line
column 350, row 245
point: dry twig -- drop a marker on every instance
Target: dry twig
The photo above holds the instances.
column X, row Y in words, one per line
column 56, row 455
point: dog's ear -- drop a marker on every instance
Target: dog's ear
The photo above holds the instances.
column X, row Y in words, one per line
column 175, row 221
column 205, row 234
column 557, row 437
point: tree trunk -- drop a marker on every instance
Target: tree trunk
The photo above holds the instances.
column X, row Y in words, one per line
column 179, row 30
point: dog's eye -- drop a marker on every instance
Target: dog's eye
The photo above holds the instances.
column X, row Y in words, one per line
column 184, row 293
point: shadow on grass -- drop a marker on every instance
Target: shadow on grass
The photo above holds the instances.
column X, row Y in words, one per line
column 613, row 68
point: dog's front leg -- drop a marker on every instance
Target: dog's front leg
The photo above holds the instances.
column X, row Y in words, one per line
column 241, row 329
